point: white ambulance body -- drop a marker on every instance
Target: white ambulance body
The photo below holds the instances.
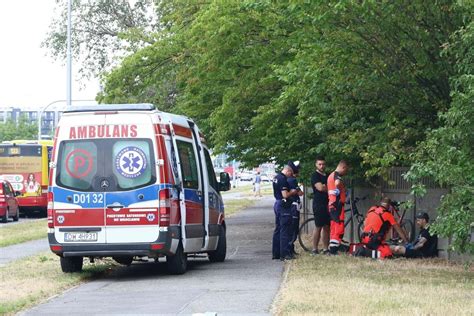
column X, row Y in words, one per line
column 128, row 181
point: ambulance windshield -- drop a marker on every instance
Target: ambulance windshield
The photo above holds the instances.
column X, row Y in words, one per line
column 105, row 164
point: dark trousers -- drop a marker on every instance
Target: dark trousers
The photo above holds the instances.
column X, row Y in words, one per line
column 282, row 231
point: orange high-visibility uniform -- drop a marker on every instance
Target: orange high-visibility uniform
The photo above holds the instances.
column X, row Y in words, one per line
column 376, row 226
column 337, row 198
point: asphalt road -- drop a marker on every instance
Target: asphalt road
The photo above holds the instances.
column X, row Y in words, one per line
column 245, row 283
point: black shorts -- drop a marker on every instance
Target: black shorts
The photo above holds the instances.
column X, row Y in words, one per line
column 412, row 253
column 321, row 215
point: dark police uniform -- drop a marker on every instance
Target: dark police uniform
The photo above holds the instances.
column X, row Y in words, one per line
column 295, row 213
column 282, row 210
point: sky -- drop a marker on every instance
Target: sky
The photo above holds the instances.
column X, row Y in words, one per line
column 28, row 77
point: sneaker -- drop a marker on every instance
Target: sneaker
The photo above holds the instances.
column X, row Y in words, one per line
column 325, row 252
column 314, row 252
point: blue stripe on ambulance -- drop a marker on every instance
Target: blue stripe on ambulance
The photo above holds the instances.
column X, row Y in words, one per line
column 97, row 199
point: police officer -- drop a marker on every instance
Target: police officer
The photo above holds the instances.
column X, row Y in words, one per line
column 283, row 218
column 295, row 205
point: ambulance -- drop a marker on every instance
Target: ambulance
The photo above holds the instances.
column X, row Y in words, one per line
column 133, row 183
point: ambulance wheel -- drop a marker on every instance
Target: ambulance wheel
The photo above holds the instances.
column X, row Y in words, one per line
column 178, row 263
column 218, row 255
column 360, row 230
column 71, row 264
column 126, row 261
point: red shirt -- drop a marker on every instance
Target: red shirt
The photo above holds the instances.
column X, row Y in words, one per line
column 375, row 218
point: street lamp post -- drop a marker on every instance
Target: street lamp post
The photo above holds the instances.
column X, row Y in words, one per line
column 40, row 116
column 69, row 55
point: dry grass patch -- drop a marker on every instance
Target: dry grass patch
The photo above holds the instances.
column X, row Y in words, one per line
column 26, row 282
column 21, row 232
column 361, row 286
column 235, row 205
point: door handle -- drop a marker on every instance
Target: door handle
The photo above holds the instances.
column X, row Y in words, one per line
column 115, row 205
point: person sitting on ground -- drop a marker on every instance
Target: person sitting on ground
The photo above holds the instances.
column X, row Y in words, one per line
column 377, row 224
column 425, row 245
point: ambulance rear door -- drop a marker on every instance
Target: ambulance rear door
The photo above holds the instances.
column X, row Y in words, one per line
column 79, row 205
column 130, row 184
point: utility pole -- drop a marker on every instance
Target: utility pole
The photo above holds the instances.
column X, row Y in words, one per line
column 69, row 62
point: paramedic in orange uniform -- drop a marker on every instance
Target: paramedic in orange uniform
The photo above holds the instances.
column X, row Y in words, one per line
column 378, row 222
column 337, row 198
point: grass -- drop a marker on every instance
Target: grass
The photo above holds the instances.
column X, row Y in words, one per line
column 362, row 286
column 27, row 282
column 234, row 206
column 21, row 232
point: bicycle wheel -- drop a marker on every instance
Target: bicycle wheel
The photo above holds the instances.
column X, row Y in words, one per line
column 305, row 234
column 407, row 227
column 360, row 230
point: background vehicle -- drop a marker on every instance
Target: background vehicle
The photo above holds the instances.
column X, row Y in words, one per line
column 246, row 176
column 8, row 202
column 266, row 178
column 25, row 164
column 129, row 182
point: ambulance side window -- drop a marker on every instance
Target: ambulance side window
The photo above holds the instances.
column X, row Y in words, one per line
column 210, row 170
column 188, row 164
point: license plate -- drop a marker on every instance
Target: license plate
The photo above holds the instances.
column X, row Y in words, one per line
column 80, row 236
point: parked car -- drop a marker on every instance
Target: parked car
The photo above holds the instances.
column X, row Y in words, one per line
column 266, row 178
column 245, row 176
column 8, row 202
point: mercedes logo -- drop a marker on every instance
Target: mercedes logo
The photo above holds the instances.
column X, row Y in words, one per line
column 104, row 184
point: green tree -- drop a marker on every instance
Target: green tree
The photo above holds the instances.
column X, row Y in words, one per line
column 23, row 129
column 103, row 32
column 369, row 81
column 447, row 153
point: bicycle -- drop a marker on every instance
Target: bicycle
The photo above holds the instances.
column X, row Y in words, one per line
column 305, row 234
column 405, row 224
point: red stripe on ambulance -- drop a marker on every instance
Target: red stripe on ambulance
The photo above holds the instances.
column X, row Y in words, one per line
column 79, row 217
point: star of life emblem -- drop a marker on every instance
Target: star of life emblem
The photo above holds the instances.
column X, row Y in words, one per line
column 130, row 162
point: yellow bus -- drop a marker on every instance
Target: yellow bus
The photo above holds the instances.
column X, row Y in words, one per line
column 25, row 164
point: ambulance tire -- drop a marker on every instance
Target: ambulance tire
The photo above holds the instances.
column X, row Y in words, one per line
column 178, row 263
column 71, row 264
column 218, row 255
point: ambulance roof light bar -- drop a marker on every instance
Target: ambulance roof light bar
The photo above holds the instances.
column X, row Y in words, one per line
column 111, row 107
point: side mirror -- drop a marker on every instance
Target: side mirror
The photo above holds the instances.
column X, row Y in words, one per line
column 224, row 182
column 17, row 193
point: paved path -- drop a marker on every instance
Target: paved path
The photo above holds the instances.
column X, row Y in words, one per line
column 245, row 283
column 25, row 249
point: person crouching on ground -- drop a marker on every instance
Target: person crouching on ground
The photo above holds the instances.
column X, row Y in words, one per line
column 283, row 218
column 377, row 224
column 337, row 199
column 425, row 245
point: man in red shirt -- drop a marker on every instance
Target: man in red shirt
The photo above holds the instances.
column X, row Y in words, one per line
column 337, row 199
column 377, row 224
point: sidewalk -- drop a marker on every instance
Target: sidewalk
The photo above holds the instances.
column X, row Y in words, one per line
column 18, row 251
